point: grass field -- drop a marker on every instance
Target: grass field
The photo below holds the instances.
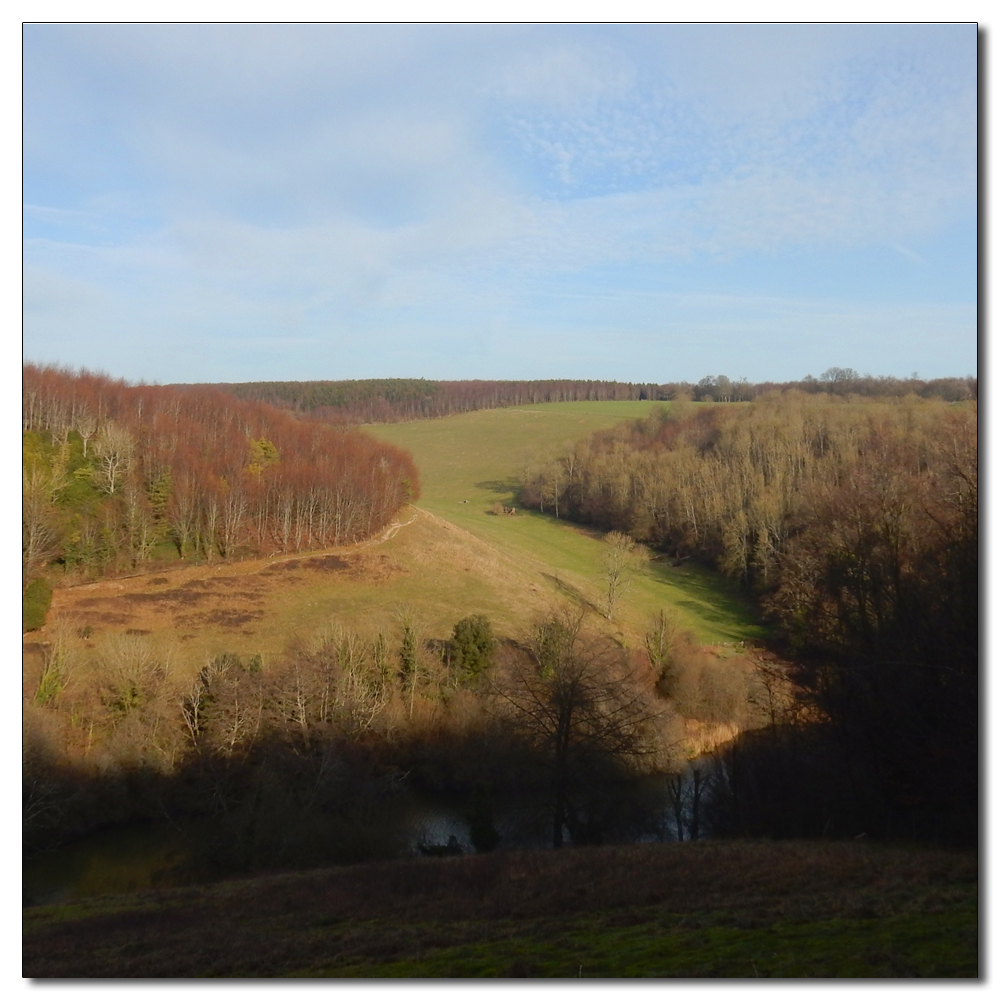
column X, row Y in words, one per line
column 478, row 457
column 704, row 909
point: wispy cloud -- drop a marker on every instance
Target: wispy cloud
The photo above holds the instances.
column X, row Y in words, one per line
column 302, row 184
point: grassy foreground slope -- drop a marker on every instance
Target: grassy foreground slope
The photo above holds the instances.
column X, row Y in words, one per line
column 695, row 909
column 478, row 457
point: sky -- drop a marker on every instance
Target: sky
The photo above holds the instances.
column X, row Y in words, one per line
column 642, row 202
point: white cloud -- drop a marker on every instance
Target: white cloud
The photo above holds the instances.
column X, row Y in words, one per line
column 280, row 180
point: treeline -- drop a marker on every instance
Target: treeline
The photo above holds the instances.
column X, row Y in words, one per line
column 856, row 525
column 115, row 475
column 371, row 401
column 844, row 382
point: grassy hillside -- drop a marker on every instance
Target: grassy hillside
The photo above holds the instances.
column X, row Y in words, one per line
column 696, row 909
column 478, row 457
column 444, row 560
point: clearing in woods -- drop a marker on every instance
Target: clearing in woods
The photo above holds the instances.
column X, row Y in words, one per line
column 445, row 558
column 472, row 461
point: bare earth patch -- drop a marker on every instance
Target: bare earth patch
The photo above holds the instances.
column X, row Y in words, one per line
column 197, row 605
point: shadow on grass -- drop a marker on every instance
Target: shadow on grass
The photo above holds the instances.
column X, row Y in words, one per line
column 568, row 590
column 504, row 487
column 711, row 597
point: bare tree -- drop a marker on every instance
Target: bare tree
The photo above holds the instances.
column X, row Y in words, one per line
column 622, row 559
column 573, row 699
column 39, row 527
column 86, row 427
column 114, row 447
column 659, row 642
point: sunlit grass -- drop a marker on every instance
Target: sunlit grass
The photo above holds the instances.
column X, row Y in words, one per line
column 452, row 560
column 478, row 457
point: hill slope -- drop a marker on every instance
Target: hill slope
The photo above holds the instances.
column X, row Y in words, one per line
column 472, row 461
column 706, row 909
column 444, row 560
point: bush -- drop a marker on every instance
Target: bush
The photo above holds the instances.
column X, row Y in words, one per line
column 472, row 645
column 35, row 603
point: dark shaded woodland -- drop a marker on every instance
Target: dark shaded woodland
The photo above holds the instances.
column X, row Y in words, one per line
column 855, row 524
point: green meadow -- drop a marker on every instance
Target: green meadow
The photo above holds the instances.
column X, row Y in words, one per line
column 479, row 457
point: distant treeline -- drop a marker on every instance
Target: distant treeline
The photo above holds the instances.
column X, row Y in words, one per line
column 856, row 525
column 116, row 474
column 390, row 400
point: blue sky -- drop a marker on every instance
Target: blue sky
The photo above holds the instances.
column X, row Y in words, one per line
column 639, row 202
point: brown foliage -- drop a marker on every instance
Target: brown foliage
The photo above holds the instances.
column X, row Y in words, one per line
column 216, row 475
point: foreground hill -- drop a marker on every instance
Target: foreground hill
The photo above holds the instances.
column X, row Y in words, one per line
column 701, row 909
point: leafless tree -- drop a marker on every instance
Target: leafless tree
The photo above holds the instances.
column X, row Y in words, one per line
column 39, row 530
column 114, row 447
column 572, row 697
column 622, row 559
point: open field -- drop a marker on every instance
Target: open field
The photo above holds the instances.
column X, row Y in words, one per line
column 701, row 909
column 258, row 606
column 443, row 559
column 478, row 457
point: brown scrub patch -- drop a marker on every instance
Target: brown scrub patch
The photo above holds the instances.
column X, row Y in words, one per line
column 327, row 564
column 112, row 618
column 223, row 617
column 283, row 567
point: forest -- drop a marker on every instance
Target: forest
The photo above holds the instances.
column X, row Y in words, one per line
column 855, row 525
column 116, row 476
column 390, row 400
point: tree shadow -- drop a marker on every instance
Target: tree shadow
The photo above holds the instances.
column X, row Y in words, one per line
column 568, row 590
column 710, row 597
column 507, row 487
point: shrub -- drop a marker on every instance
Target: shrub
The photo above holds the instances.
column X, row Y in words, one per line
column 472, row 645
column 35, row 603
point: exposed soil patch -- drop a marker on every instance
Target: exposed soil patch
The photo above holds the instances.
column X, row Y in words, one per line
column 328, row 564
column 109, row 618
column 224, row 617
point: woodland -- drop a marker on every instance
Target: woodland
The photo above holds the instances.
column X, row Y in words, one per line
column 850, row 519
column 855, row 525
column 115, row 475
column 390, row 400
